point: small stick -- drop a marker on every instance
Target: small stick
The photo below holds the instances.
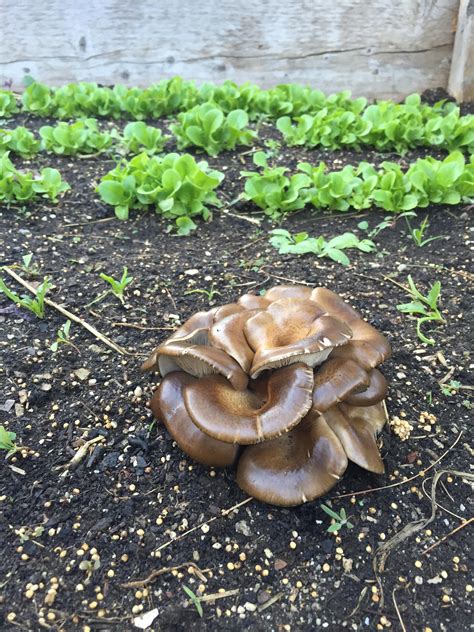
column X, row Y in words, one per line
column 412, row 478
column 93, row 221
column 81, row 453
column 139, row 583
column 141, row 327
column 270, row 602
column 70, row 315
column 225, row 512
column 222, row 595
column 398, row 611
column 448, row 535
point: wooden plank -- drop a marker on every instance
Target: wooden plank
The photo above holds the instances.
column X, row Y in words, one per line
column 461, row 78
column 379, row 48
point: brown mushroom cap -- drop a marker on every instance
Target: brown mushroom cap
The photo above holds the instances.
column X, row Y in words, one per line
column 228, row 334
column 293, row 330
column 167, row 404
column 278, row 292
column 335, row 381
column 368, row 346
column 198, row 360
column 194, row 331
column 226, row 310
column 373, row 394
column 295, row 468
column 251, row 301
column 245, row 416
column 356, row 429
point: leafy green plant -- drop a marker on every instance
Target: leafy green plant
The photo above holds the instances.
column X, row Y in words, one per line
column 385, row 125
column 63, row 337
column 81, row 137
column 194, row 600
column 426, row 181
column 140, row 137
column 417, row 234
column 8, row 104
column 424, row 308
column 451, row 388
column 301, row 243
column 117, row 287
column 38, row 99
column 36, row 304
column 340, row 519
column 176, row 185
column 22, row 186
column 230, row 96
column 20, row 141
column 7, row 442
column 210, row 294
column 209, row 128
column 50, row 184
column 273, row 191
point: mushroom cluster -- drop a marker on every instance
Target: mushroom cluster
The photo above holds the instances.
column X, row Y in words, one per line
column 285, row 385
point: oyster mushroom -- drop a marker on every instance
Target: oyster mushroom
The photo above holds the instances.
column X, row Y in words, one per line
column 356, row 428
column 286, row 381
column 296, row 467
column 293, row 330
column 198, row 360
column 368, row 347
column 167, row 405
column 336, row 381
column 228, row 334
column 375, row 392
column 277, row 403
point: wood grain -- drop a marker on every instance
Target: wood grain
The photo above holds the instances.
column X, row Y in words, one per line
column 378, row 48
column 461, row 79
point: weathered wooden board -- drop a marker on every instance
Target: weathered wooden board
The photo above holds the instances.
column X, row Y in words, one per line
column 461, row 79
column 376, row 48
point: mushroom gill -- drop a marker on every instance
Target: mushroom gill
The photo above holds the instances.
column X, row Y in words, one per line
column 285, row 385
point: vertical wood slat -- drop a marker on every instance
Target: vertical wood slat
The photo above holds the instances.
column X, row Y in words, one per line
column 461, row 78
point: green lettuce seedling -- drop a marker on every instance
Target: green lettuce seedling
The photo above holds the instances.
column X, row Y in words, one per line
column 8, row 105
column 20, row 141
column 209, row 128
column 175, row 185
column 302, row 243
column 140, row 137
column 81, row 137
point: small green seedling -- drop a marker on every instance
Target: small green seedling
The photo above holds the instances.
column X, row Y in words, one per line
column 340, row 519
column 211, row 293
column 451, row 388
column 301, row 243
column 425, row 308
column 35, row 305
column 63, row 337
column 417, row 234
column 194, row 599
column 118, row 287
column 7, row 442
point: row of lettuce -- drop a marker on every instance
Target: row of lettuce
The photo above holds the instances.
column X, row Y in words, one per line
column 217, row 117
column 209, row 129
column 179, row 188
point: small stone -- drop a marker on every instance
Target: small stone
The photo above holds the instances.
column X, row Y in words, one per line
column 82, row 374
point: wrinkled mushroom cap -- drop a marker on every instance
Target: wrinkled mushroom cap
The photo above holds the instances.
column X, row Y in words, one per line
column 368, row 346
column 245, row 417
column 356, row 429
column 167, row 405
column 228, row 334
column 297, row 467
column 335, row 381
column 292, row 330
column 198, row 360
column 375, row 392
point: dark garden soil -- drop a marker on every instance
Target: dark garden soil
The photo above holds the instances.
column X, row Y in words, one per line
column 135, row 507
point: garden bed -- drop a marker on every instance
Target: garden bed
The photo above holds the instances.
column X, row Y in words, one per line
column 152, row 513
